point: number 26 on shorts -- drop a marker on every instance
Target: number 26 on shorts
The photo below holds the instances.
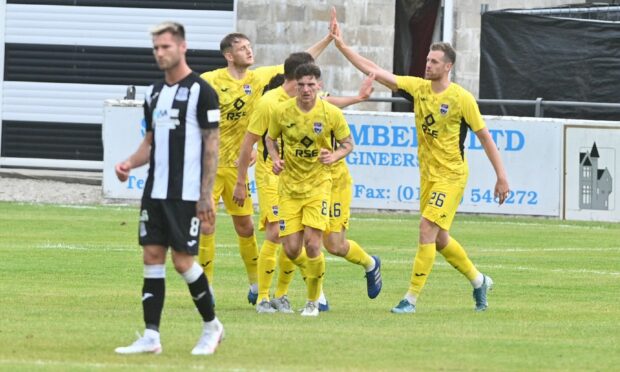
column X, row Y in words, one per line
column 437, row 198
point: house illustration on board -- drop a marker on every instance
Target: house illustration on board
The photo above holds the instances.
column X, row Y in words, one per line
column 595, row 184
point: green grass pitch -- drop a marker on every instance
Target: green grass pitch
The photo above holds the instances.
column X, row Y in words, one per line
column 70, row 281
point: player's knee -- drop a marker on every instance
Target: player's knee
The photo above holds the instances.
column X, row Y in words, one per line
column 246, row 231
column 151, row 256
column 330, row 248
column 182, row 265
column 442, row 241
column 313, row 247
column 292, row 252
column 428, row 231
column 336, row 243
column 272, row 236
column 335, row 248
column 244, row 226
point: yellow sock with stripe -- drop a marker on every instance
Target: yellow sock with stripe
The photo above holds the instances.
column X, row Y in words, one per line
column 457, row 257
column 286, row 273
column 358, row 256
column 249, row 254
column 266, row 267
column 315, row 273
column 422, row 266
column 206, row 255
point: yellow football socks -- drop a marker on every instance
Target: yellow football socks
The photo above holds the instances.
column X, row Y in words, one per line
column 249, row 253
column 286, row 273
column 206, row 255
column 266, row 267
column 457, row 257
column 315, row 273
column 422, row 266
column 301, row 261
column 358, row 256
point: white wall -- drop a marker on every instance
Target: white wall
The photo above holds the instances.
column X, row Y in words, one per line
column 280, row 27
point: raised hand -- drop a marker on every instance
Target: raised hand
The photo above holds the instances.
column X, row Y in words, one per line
column 366, row 87
column 333, row 21
column 334, row 28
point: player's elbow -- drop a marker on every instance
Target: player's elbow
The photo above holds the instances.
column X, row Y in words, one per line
column 350, row 148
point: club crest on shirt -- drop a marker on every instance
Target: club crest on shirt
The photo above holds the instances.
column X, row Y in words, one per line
column 182, row 94
column 282, row 225
column 247, row 89
column 318, row 127
column 274, row 209
column 443, row 109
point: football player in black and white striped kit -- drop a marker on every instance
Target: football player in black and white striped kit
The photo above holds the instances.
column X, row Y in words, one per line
column 181, row 148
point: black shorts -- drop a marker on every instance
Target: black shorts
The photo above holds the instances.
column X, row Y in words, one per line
column 171, row 223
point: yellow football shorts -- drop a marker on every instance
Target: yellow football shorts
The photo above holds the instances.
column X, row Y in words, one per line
column 224, row 186
column 340, row 203
column 267, row 186
column 295, row 214
column 440, row 200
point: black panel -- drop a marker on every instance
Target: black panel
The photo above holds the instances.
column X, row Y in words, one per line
column 94, row 65
column 21, row 139
column 524, row 56
column 161, row 4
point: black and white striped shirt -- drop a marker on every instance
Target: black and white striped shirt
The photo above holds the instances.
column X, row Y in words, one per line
column 176, row 114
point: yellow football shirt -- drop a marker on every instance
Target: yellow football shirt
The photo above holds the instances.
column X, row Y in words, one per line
column 339, row 168
column 237, row 100
column 304, row 134
column 259, row 124
column 442, row 121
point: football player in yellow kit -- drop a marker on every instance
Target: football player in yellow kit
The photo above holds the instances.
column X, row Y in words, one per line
column 267, row 185
column 444, row 112
column 306, row 125
column 238, row 89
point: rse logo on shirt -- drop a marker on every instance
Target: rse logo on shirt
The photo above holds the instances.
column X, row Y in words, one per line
column 237, row 99
column 306, row 153
column 444, row 119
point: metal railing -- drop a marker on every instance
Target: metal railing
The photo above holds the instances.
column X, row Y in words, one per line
column 539, row 103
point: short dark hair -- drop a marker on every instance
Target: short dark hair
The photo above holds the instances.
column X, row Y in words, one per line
column 176, row 29
column 230, row 39
column 295, row 60
column 447, row 49
column 275, row 82
column 307, row 69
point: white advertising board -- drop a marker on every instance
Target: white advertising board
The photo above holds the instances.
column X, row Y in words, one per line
column 592, row 162
column 123, row 130
column 385, row 169
column 384, row 164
